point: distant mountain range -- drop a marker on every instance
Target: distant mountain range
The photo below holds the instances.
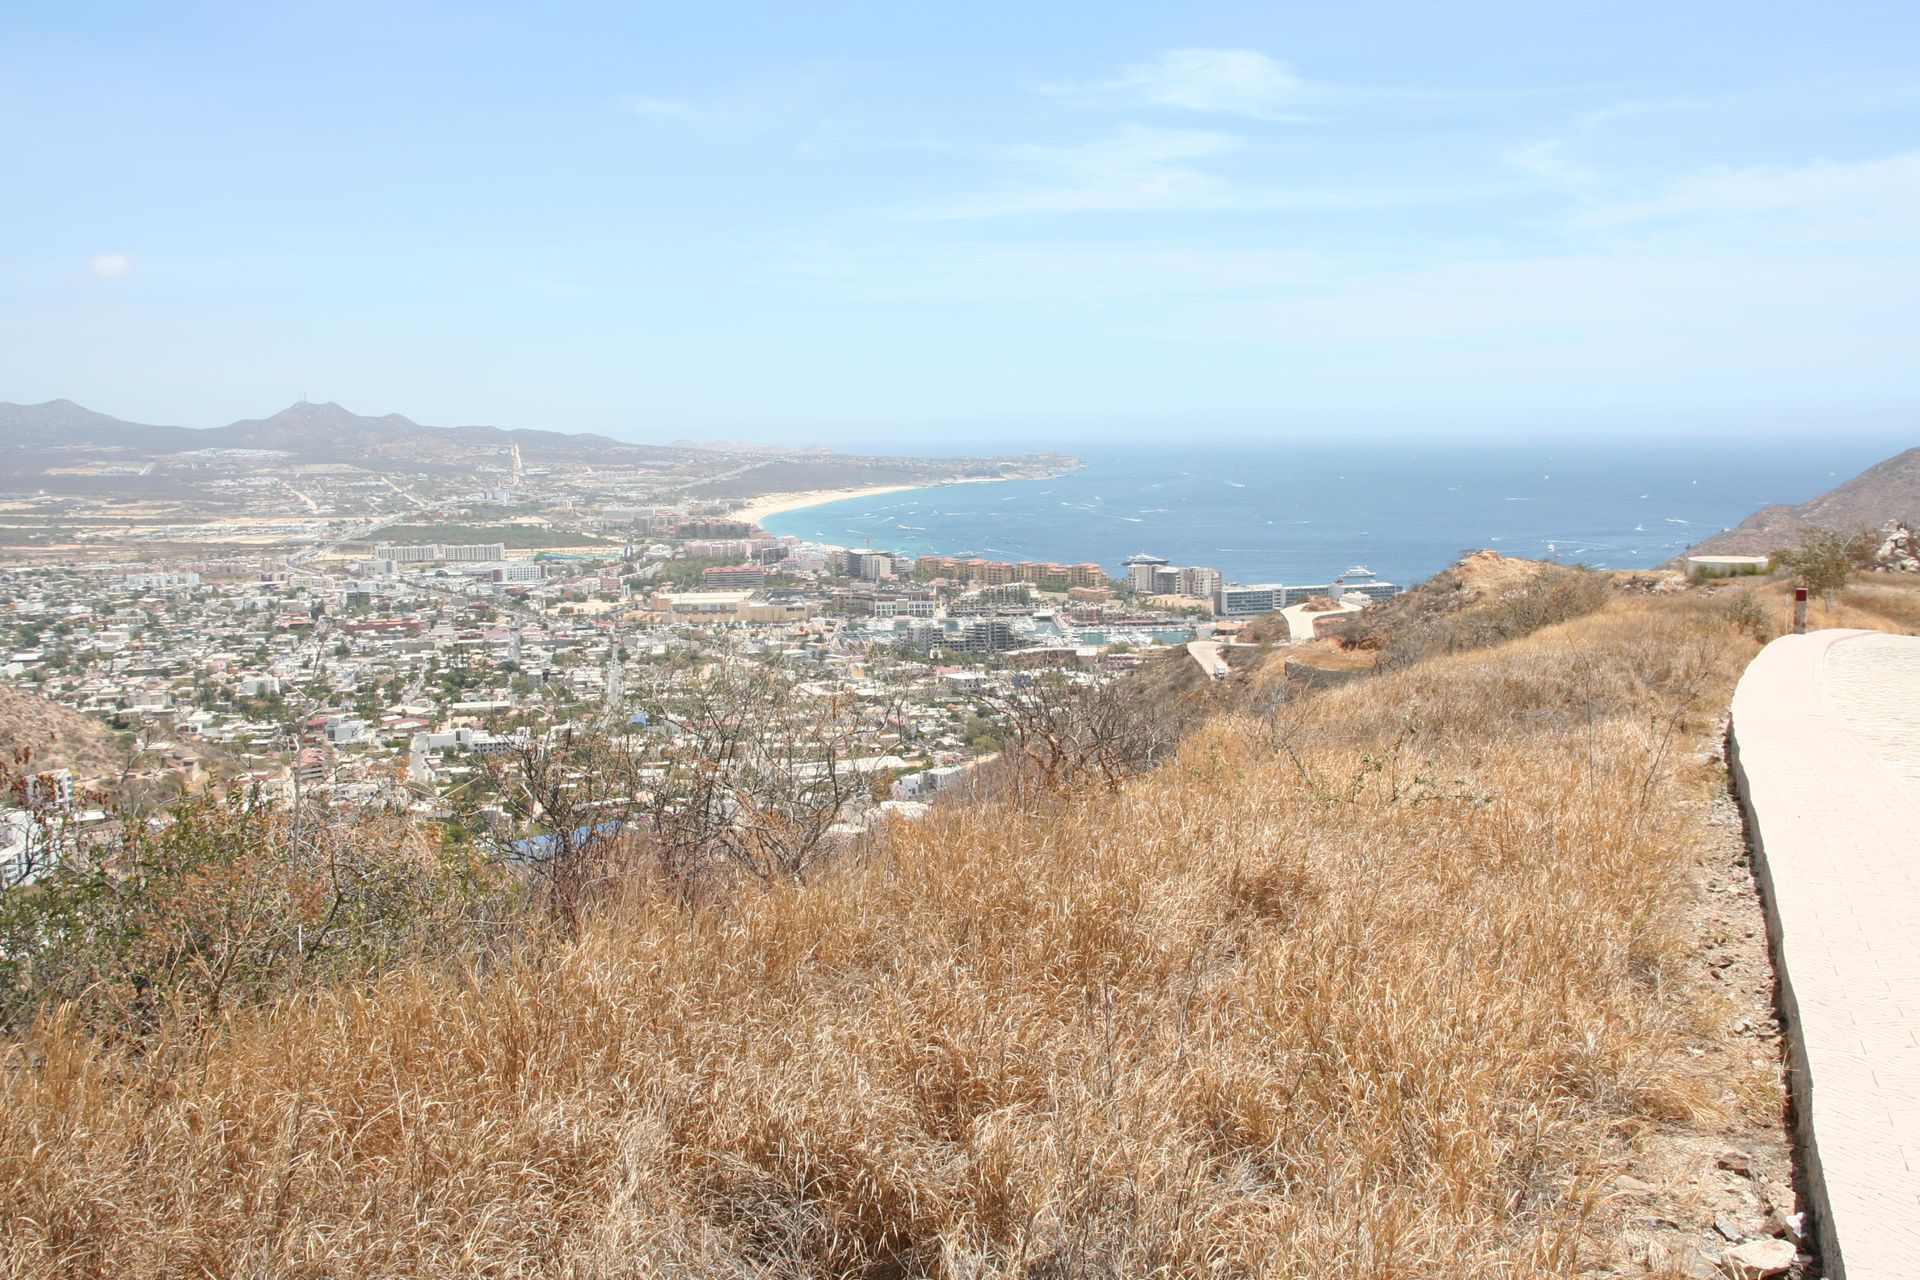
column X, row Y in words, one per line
column 1886, row 491
column 59, row 424
column 306, row 429
column 328, row 431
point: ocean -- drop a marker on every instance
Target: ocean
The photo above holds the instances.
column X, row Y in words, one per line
column 1306, row 513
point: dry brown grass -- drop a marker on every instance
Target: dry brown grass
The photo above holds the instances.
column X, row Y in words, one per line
column 1385, row 988
column 1872, row 601
column 59, row 737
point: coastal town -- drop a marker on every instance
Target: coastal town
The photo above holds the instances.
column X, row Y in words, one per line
column 382, row 640
column 912, row 642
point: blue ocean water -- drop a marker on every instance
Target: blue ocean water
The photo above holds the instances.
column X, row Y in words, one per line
column 1308, row 512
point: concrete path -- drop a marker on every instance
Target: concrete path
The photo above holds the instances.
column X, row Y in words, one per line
column 1300, row 620
column 1873, row 681
column 1207, row 654
column 1826, row 739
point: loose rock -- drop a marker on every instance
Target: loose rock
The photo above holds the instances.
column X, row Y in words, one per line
column 1735, row 1162
column 1758, row 1259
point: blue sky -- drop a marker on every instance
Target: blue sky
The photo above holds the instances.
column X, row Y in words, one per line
column 931, row 226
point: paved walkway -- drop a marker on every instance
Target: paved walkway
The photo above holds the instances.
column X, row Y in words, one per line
column 1826, row 736
column 1207, row 654
column 1300, row 619
column 1873, row 681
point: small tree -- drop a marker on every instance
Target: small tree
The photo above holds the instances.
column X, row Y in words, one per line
column 1070, row 737
column 231, row 900
column 1826, row 558
column 567, row 801
column 758, row 772
column 736, row 771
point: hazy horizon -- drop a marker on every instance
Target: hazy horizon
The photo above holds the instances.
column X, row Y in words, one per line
column 1881, row 434
column 935, row 231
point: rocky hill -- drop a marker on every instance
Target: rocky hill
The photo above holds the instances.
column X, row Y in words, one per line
column 62, row 424
column 1886, row 491
column 306, row 429
column 57, row 737
column 36, row 437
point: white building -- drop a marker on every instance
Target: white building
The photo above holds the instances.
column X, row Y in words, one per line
column 868, row 564
column 1240, row 600
column 23, row 846
column 1142, row 572
column 162, row 581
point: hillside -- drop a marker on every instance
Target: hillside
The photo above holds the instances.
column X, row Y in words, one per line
column 1483, row 599
column 306, row 429
column 57, row 736
column 33, row 437
column 1436, row 973
column 64, row 424
column 1888, row 490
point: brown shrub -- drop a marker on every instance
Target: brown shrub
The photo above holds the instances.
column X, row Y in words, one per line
column 1381, row 989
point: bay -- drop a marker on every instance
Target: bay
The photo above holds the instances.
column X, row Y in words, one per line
column 1307, row 512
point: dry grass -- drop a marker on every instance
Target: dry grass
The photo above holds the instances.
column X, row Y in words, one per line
column 61, row 738
column 1385, row 988
column 1873, row 602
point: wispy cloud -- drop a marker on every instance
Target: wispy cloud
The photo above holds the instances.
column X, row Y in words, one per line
column 1680, row 321
column 1242, row 82
column 1630, row 107
column 1547, row 159
column 1887, row 185
column 1158, row 170
column 652, row 108
column 110, row 266
column 984, row 269
column 1137, row 168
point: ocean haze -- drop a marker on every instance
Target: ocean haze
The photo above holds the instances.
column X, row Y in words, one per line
column 1308, row 511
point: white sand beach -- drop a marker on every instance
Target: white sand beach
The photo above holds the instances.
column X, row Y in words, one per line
column 773, row 504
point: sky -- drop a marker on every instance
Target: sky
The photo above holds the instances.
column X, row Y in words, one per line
column 938, row 226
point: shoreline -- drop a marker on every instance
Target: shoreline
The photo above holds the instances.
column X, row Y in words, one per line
column 775, row 504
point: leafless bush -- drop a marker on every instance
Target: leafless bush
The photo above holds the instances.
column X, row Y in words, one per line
column 1066, row 737
column 737, row 772
column 755, row 773
column 572, row 804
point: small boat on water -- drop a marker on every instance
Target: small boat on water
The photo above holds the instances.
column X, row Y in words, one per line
column 1358, row 571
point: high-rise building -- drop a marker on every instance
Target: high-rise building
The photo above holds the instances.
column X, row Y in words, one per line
column 1140, row 572
column 867, row 564
column 1199, row 581
column 986, row 635
column 734, row 577
column 1086, row 574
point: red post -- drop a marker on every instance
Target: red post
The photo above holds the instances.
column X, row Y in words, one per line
column 1799, row 611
